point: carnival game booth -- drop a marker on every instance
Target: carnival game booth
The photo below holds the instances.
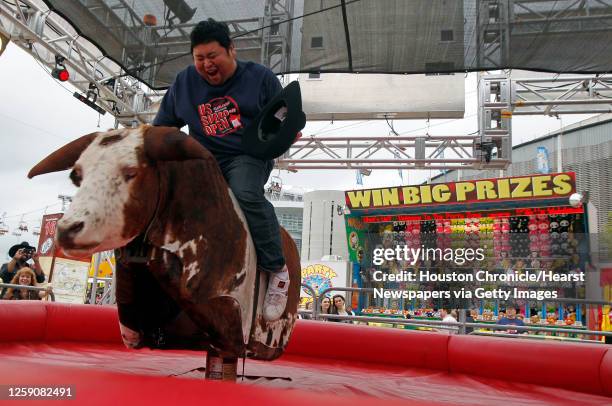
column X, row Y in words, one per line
column 519, row 225
column 77, row 350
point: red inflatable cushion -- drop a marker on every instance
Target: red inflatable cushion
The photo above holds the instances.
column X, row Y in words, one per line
column 369, row 344
column 66, row 322
column 574, row 367
column 605, row 373
column 22, row 320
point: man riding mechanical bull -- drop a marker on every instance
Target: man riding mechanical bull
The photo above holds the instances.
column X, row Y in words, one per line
column 182, row 277
column 217, row 97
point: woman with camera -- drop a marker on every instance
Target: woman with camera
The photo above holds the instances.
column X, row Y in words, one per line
column 21, row 254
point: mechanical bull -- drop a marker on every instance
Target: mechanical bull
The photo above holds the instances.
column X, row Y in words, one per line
column 186, row 266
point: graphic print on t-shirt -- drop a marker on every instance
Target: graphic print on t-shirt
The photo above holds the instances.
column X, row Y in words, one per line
column 220, row 116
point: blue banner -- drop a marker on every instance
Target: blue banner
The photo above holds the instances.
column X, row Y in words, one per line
column 542, row 161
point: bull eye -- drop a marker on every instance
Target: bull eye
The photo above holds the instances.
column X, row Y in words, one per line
column 129, row 173
column 75, row 177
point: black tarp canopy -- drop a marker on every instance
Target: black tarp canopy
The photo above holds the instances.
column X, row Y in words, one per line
column 365, row 36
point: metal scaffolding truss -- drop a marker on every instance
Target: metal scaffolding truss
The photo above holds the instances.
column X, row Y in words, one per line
column 390, row 152
column 500, row 97
column 501, row 24
column 44, row 35
column 156, row 45
column 570, row 16
column 490, row 147
column 552, row 96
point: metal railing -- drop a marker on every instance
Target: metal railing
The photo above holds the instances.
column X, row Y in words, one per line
column 460, row 326
column 36, row 288
column 107, row 297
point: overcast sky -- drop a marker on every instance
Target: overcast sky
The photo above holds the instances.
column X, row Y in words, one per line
column 39, row 115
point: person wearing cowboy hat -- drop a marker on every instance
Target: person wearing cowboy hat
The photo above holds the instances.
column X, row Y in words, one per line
column 21, row 254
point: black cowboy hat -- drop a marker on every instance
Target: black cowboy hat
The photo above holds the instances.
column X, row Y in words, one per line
column 274, row 129
column 13, row 250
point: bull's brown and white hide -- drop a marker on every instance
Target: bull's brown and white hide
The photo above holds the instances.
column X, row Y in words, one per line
column 186, row 276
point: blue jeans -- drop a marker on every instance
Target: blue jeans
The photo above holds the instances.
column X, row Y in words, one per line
column 246, row 176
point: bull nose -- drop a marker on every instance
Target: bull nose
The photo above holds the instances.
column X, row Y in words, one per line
column 74, row 228
column 66, row 233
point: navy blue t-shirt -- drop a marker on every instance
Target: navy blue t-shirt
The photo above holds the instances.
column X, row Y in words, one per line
column 218, row 115
column 511, row 322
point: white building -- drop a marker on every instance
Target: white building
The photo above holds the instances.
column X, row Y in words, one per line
column 289, row 206
column 323, row 231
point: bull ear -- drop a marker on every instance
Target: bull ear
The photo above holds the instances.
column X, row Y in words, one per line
column 63, row 158
column 170, row 144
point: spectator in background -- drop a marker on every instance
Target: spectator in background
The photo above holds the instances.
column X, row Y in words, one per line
column 25, row 277
column 21, row 254
column 510, row 319
column 472, row 317
column 447, row 317
column 325, row 306
column 306, row 316
column 339, row 308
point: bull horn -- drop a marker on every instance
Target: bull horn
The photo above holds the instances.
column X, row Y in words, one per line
column 63, row 158
column 170, row 144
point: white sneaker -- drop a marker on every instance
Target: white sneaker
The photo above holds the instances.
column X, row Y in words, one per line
column 276, row 295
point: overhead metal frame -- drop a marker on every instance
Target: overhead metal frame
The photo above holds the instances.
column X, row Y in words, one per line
column 492, row 33
column 552, row 96
column 494, row 142
column 490, row 147
column 500, row 97
column 414, row 152
column 127, row 34
column 497, row 21
column 572, row 16
column 269, row 46
column 275, row 38
column 43, row 34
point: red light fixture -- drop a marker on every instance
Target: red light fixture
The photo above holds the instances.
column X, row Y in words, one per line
column 60, row 72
